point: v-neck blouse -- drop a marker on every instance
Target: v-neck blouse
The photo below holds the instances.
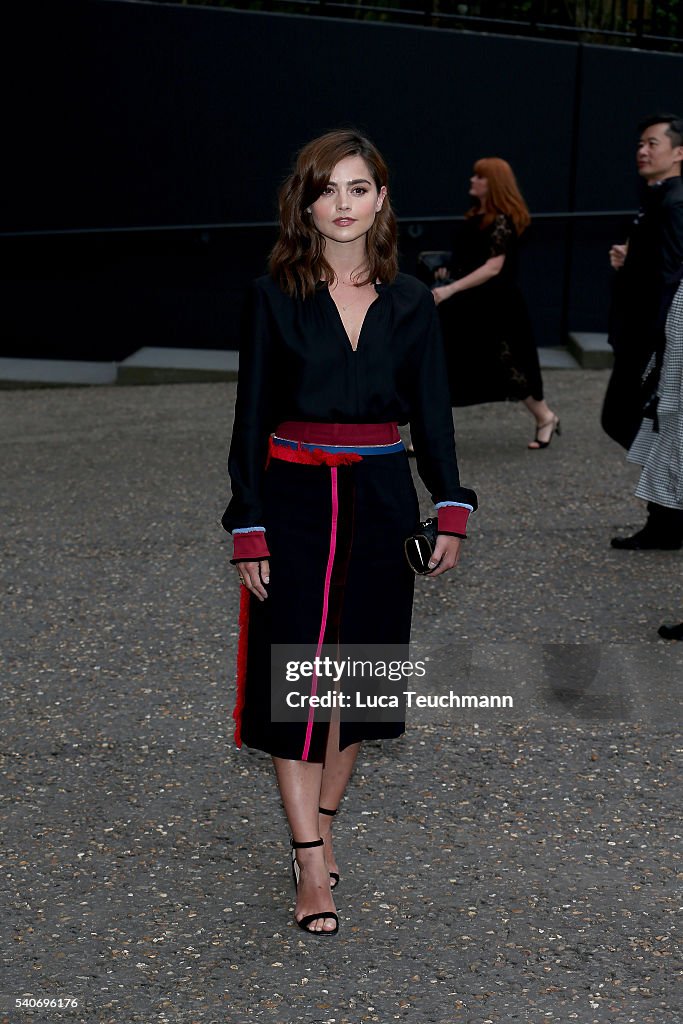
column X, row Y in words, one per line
column 341, row 319
column 297, row 363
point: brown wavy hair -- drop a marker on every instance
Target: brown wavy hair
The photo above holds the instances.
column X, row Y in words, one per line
column 503, row 194
column 297, row 261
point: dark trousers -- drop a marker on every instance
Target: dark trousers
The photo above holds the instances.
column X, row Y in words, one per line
column 622, row 409
column 666, row 524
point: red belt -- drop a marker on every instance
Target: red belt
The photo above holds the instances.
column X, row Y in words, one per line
column 339, row 433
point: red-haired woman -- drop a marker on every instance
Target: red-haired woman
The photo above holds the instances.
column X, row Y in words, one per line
column 490, row 347
column 338, row 349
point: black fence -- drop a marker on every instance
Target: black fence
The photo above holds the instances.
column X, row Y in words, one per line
column 101, row 295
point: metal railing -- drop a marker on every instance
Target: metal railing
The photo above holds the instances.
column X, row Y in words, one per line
column 567, row 215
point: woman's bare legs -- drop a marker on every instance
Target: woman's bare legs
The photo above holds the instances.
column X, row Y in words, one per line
column 546, row 420
column 336, row 774
column 304, row 787
column 299, row 783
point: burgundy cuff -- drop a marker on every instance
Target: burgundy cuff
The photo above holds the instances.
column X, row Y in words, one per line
column 453, row 520
column 249, row 547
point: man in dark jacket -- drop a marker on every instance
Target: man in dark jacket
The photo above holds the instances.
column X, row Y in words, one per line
column 649, row 269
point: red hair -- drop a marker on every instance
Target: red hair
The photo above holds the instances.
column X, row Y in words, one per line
column 297, row 261
column 503, row 194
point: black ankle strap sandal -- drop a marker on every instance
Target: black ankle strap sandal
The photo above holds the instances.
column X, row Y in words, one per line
column 296, row 875
column 333, row 874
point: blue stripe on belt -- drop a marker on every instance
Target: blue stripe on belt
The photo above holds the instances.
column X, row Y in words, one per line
column 375, row 449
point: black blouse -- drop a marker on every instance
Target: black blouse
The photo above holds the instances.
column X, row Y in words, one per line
column 297, row 363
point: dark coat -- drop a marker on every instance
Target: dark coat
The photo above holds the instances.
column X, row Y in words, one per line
column 643, row 291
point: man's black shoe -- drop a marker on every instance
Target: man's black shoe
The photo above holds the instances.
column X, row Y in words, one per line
column 671, row 632
column 644, row 541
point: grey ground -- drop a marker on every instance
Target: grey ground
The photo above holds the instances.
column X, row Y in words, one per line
column 495, row 866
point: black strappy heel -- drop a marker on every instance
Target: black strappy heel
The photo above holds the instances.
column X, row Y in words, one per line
column 333, row 874
column 296, row 874
column 557, row 429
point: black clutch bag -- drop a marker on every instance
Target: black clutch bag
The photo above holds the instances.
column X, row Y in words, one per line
column 431, row 260
column 419, row 548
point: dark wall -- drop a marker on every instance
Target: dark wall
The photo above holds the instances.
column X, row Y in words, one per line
column 617, row 88
column 173, row 115
column 132, row 115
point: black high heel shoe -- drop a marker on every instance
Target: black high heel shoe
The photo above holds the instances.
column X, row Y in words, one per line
column 542, row 426
column 333, row 874
column 296, row 875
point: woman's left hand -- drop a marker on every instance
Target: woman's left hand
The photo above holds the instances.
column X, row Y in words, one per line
column 446, row 554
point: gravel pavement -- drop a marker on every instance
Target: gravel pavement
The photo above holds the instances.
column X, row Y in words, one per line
column 518, row 865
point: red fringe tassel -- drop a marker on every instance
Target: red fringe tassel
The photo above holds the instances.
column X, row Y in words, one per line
column 317, row 457
column 241, row 677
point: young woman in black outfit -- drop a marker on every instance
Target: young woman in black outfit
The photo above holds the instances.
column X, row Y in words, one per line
column 338, row 349
column 490, row 348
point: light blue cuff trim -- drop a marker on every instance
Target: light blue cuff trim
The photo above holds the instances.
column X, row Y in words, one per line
column 250, row 529
column 450, row 504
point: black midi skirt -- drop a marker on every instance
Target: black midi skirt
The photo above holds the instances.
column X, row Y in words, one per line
column 490, row 350
column 338, row 575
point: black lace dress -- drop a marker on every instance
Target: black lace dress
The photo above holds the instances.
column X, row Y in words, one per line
column 490, row 348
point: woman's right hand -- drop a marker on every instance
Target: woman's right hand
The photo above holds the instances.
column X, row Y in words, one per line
column 253, row 575
column 617, row 256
